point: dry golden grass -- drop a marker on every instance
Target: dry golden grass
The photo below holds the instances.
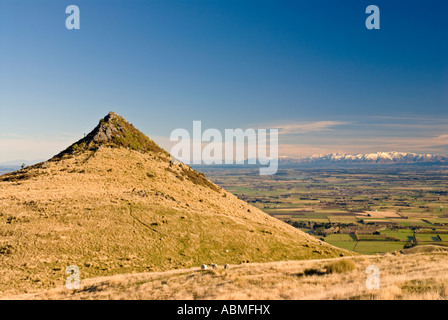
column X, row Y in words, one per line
column 415, row 276
column 115, row 211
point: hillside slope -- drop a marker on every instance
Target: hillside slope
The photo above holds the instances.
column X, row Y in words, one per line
column 415, row 276
column 114, row 202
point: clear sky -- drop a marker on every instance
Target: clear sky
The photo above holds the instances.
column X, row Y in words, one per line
column 310, row 68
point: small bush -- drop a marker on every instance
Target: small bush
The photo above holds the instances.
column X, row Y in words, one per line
column 6, row 249
column 341, row 266
column 313, row 272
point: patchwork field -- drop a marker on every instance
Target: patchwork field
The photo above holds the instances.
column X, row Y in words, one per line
column 368, row 209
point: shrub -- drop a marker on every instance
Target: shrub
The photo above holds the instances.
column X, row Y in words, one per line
column 312, row 272
column 341, row 266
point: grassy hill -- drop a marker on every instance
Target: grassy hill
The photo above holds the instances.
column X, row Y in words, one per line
column 414, row 276
column 115, row 203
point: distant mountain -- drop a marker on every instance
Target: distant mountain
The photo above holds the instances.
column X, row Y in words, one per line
column 370, row 158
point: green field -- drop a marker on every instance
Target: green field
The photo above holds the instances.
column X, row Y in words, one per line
column 344, row 244
column 372, row 247
column 401, row 234
column 427, row 237
column 338, row 237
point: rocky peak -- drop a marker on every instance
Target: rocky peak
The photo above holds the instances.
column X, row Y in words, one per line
column 113, row 131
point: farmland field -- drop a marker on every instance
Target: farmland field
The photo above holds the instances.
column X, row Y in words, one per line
column 368, row 209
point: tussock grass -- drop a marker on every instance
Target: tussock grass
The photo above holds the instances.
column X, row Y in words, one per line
column 340, row 266
column 415, row 276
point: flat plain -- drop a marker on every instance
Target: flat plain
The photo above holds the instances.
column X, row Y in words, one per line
column 369, row 209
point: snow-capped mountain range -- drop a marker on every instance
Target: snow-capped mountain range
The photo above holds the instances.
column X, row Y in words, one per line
column 371, row 158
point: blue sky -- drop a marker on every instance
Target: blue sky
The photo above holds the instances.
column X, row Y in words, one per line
column 310, row 68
